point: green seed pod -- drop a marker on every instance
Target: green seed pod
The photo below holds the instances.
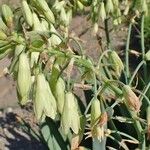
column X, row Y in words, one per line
column 60, row 94
column 70, row 116
column 131, row 99
column 44, row 102
column 46, row 10
column 117, row 63
column 102, row 11
column 109, row 6
column 23, row 78
column 3, row 36
column 34, row 58
column 27, row 13
column 8, row 15
column 147, row 56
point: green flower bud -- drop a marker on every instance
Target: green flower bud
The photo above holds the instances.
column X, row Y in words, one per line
column 109, row 6
column 27, row 13
column 70, row 116
column 144, row 7
column 36, row 23
column 80, row 5
column 46, row 10
column 8, row 15
column 102, row 11
column 44, row 102
column 23, row 78
column 117, row 63
column 34, row 58
column 54, row 39
column 96, row 128
column 131, row 99
column 60, row 94
column 95, row 111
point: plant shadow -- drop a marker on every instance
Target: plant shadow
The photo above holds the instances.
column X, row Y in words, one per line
column 12, row 137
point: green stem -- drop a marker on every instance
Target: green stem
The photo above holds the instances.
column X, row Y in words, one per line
column 136, row 70
column 101, row 57
column 139, row 131
column 95, row 86
column 79, row 45
column 143, row 47
column 145, row 91
column 107, row 33
column 127, row 53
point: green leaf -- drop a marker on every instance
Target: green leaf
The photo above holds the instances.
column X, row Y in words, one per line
column 54, row 77
column 53, row 136
column 37, row 43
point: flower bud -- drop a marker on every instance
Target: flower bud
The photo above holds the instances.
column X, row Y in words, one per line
column 80, row 5
column 34, row 58
column 95, row 28
column 144, row 7
column 96, row 128
column 95, row 111
column 115, row 2
column 44, row 102
column 23, row 78
column 27, row 13
column 46, row 10
column 117, row 63
column 36, row 23
column 58, row 5
column 109, row 6
column 70, row 116
column 131, row 99
column 60, row 94
column 8, row 15
column 102, row 11
column 54, row 39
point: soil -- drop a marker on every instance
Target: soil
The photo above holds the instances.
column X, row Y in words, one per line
column 12, row 137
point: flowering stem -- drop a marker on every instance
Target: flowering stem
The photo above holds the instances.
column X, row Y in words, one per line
column 143, row 46
column 127, row 53
column 136, row 70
